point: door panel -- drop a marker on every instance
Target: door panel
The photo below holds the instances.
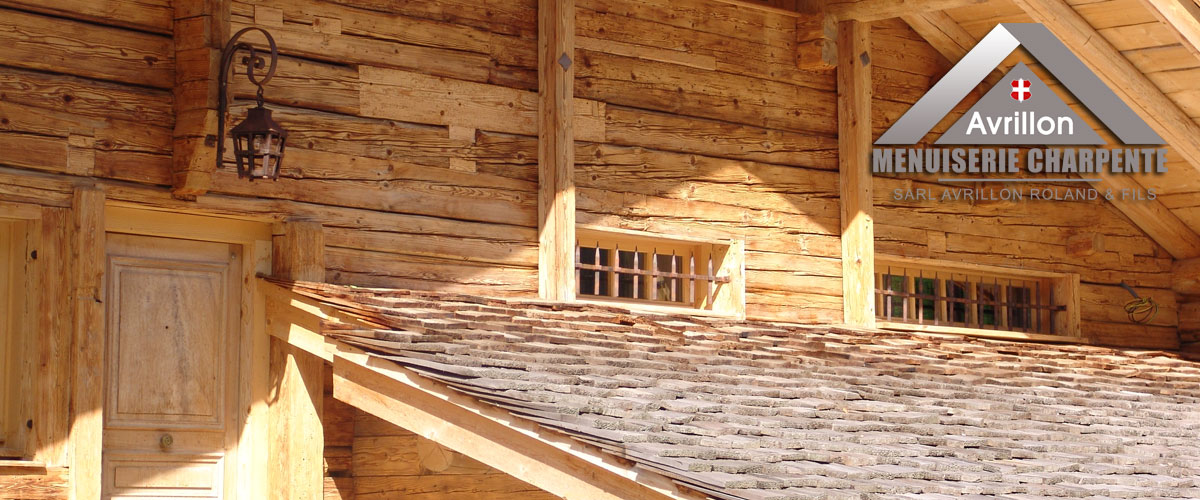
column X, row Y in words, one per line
column 171, row 367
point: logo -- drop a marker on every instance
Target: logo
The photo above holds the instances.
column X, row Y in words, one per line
column 1020, row 124
column 1020, row 90
column 1046, row 119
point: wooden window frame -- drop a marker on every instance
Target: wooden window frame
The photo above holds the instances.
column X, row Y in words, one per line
column 723, row 296
column 1054, row 318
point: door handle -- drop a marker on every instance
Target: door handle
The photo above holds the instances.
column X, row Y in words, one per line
column 166, row 441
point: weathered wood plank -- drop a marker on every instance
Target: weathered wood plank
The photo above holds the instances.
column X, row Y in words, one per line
column 421, row 98
column 146, row 15
column 399, row 25
column 370, row 268
column 688, row 91
column 85, row 99
column 671, row 132
column 58, row 45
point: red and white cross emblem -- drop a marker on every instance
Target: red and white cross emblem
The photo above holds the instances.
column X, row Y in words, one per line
column 1020, row 90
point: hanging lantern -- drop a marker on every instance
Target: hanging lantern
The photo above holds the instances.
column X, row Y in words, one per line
column 258, row 145
column 258, row 141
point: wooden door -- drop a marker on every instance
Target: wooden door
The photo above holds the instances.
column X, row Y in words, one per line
column 171, row 361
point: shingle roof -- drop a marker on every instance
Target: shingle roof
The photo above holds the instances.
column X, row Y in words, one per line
column 758, row 410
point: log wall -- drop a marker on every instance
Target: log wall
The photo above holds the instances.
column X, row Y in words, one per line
column 710, row 131
column 1028, row 234
column 414, row 143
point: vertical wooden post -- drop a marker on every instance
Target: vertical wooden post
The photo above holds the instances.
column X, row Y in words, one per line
column 87, row 402
column 297, row 439
column 854, row 148
column 556, row 149
column 201, row 30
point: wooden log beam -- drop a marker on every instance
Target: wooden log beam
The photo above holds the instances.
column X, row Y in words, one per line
column 201, row 29
column 816, row 37
column 816, row 42
column 556, row 149
column 87, row 401
column 875, row 10
column 1183, row 17
column 854, row 146
column 1185, row 276
column 298, row 441
column 555, row 463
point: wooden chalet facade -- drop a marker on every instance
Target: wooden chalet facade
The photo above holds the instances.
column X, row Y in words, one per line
column 481, row 201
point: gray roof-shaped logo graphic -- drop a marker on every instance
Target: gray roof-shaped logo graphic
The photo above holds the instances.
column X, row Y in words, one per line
column 1039, row 116
column 1056, row 57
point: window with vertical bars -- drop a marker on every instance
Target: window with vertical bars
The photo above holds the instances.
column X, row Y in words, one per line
column 968, row 298
column 627, row 268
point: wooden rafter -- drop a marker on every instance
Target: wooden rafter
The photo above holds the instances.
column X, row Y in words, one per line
column 952, row 41
column 1183, row 16
column 543, row 458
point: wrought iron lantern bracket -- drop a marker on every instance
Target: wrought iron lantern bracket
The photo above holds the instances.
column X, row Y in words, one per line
column 258, row 141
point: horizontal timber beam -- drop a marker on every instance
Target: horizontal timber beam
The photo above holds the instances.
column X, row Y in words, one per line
column 875, row 10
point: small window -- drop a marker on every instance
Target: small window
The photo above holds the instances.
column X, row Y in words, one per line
column 628, row 266
column 943, row 296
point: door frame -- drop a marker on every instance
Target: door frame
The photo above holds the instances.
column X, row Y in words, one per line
column 253, row 382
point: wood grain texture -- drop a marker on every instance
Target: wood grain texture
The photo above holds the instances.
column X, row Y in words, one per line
column 874, row 10
column 854, row 133
column 87, row 404
column 298, row 377
column 53, row 379
column 46, row 484
column 556, row 149
column 52, row 44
